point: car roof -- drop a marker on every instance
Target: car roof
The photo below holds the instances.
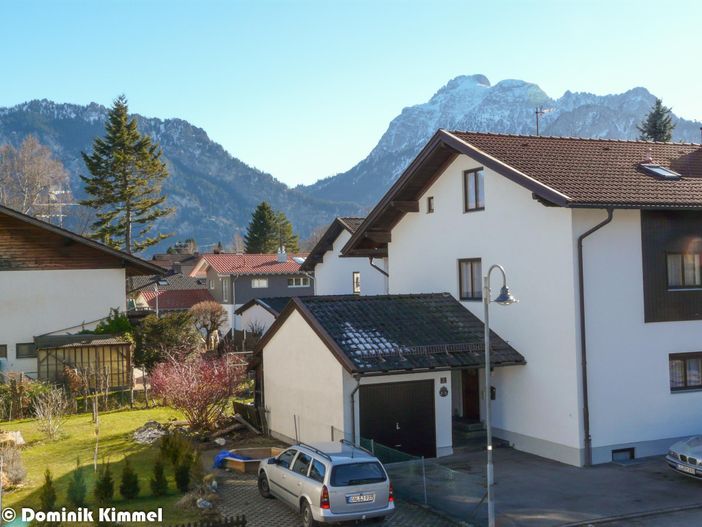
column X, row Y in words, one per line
column 337, row 451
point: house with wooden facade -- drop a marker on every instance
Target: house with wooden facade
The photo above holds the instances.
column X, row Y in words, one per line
column 54, row 282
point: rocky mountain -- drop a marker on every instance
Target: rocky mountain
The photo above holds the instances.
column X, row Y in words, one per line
column 472, row 103
column 213, row 192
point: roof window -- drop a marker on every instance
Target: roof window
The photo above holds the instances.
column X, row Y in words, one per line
column 653, row 169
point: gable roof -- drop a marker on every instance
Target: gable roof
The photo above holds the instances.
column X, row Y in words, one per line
column 274, row 305
column 248, row 264
column 326, row 242
column 384, row 333
column 30, row 243
column 175, row 298
column 175, row 281
column 560, row 171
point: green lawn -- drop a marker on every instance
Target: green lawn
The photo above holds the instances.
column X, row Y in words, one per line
column 116, row 444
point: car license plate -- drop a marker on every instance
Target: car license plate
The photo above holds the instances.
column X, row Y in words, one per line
column 688, row 470
column 360, row 498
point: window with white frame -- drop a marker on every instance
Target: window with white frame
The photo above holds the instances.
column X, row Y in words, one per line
column 225, row 289
column 685, row 371
column 259, row 283
column 212, row 284
column 299, row 281
column 469, row 278
column 356, row 278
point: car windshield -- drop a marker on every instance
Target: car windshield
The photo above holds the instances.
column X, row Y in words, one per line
column 357, row 474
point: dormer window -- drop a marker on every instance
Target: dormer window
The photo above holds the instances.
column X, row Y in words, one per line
column 652, row 169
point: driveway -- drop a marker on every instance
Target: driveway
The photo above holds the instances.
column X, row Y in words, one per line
column 533, row 491
column 240, row 496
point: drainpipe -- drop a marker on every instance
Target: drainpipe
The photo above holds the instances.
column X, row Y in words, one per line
column 353, row 409
column 379, row 269
column 583, row 337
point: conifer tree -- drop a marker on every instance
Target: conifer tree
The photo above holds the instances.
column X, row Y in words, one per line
column 129, row 487
column 269, row 230
column 124, row 185
column 77, row 488
column 658, row 124
column 47, row 496
column 159, row 483
column 104, row 487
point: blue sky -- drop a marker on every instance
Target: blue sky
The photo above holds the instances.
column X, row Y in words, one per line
column 305, row 89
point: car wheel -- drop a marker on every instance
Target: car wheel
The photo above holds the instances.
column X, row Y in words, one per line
column 307, row 518
column 263, row 487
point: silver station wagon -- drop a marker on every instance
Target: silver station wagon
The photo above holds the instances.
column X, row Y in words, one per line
column 328, row 483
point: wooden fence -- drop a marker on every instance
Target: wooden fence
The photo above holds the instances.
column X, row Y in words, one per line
column 231, row 521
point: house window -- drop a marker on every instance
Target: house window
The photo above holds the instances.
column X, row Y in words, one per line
column 259, row 283
column 212, row 284
column 225, row 289
column 473, row 190
column 3, row 351
column 299, row 281
column 26, row 350
column 469, row 277
column 683, row 270
column 430, row 204
column 356, row 277
column 685, row 371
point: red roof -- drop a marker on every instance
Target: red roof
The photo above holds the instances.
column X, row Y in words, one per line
column 176, row 298
column 230, row 263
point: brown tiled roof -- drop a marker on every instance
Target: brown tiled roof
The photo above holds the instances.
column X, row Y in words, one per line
column 600, row 171
column 330, row 235
column 398, row 332
column 251, row 264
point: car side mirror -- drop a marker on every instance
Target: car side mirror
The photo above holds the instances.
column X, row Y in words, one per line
column 272, row 461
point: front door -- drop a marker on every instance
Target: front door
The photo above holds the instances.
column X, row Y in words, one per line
column 400, row 415
column 471, row 395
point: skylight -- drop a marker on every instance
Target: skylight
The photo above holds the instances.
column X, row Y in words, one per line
column 659, row 171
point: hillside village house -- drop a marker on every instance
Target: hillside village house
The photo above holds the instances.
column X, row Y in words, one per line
column 337, row 275
column 235, row 279
column 53, row 281
column 175, row 292
column 601, row 241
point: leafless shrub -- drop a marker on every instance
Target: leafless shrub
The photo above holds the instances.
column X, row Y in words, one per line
column 51, row 410
column 13, row 471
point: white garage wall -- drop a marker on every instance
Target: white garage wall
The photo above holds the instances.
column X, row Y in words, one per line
column 34, row 303
column 333, row 276
column 631, row 404
column 256, row 316
column 301, row 378
column 537, row 406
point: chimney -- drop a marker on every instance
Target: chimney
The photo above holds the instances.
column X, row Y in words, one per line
column 217, row 248
column 282, row 255
column 649, row 156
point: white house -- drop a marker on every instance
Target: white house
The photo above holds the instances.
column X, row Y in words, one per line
column 602, row 242
column 337, row 275
column 258, row 314
column 53, row 281
column 370, row 367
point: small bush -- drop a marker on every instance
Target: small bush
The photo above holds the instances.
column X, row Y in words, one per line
column 77, row 489
column 182, row 475
column 104, row 487
column 13, row 468
column 129, row 488
column 51, row 410
column 47, row 495
column 159, row 484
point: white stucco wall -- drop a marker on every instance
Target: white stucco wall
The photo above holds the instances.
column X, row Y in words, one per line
column 537, row 406
column 442, row 405
column 301, row 378
column 333, row 276
column 256, row 316
column 39, row 302
column 630, row 399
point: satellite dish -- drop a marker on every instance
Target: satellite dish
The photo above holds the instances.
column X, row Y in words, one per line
column 298, row 260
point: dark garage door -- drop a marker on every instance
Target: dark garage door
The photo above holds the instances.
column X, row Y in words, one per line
column 400, row 415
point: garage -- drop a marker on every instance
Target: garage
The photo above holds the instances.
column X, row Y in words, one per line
column 400, row 415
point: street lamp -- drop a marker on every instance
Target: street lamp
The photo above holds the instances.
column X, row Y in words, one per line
column 505, row 298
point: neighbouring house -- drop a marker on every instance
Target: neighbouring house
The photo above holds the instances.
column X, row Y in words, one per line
column 334, row 275
column 54, row 281
column 176, row 262
column 370, row 367
column 602, row 244
column 258, row 314
column 175, row 292
column 234, row 279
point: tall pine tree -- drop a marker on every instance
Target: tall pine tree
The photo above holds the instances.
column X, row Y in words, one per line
column 658, row 124
column 269, row 230
column 124, row 185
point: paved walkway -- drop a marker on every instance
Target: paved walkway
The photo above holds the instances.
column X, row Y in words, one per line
column 240, row 496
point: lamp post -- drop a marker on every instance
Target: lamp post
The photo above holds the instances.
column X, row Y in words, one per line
column 505, row 298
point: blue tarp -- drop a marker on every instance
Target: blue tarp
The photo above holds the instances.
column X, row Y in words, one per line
column 219, row 458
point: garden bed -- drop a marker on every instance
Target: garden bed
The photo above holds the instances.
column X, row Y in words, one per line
column 256, row 454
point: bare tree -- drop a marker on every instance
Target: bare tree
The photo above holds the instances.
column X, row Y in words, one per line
column 51, row 410
column 32, row 181
column 208, row 316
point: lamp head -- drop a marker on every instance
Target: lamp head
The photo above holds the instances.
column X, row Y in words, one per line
column 505, row 297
